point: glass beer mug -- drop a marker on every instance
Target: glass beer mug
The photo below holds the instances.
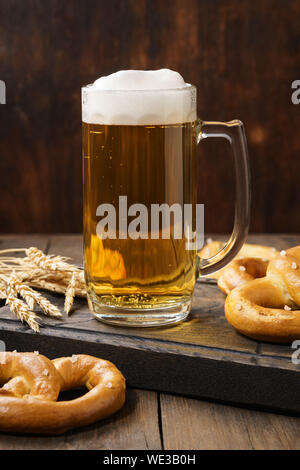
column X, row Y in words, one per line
column 142, row 224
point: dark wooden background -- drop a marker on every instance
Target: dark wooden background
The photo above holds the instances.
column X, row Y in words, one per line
column 243, row 56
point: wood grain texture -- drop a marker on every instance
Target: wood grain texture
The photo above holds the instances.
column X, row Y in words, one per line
column 243, row 57
column 70, row 246
column 202, row 357
column 23, row 241
column 185, row 423
column 134, row 427
column 192, row 424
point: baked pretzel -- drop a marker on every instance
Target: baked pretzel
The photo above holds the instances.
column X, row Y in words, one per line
column 264, row 297
column 240, row 271
column 33, row 383
column 248, row 251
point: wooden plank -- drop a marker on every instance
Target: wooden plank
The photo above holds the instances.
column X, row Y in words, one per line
column 206, row 315
column 205, row 303
column 193, row 424
column 134, row 427
column 202, row 357
column 67, row 245
column 23, row 241
column 164, row 366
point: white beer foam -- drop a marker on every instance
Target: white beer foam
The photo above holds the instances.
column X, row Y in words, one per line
column 139, row 97
column 140, row 80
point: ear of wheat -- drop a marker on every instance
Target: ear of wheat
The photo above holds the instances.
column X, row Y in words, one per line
column 20, row 309
column 21, row 276
column 70, row 294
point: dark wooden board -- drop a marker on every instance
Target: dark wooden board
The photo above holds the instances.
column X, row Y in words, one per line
column 202, row 357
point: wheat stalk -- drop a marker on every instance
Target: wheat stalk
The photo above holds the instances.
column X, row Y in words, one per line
column 32, row 297
column 70, row 293
column 19, row 276
column 51, row 263
column 55, row 287
column 2, row 289
column 19, row 308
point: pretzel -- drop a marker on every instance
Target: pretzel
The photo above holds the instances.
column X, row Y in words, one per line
column 28, row 399
column 264, row 297
column 240, row 271
column 248, row 251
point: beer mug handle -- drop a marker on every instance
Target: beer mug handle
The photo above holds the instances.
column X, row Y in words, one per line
column 234, row 132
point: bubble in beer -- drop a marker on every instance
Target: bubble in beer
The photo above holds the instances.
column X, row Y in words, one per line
column 139, row 97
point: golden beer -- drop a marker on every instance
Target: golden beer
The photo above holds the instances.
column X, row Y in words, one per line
column 142, row 224
column 151, row 164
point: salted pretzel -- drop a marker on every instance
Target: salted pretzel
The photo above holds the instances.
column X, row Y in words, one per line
column 33, row 383
column 248, row 250
column 240, row 271
column 264, row 297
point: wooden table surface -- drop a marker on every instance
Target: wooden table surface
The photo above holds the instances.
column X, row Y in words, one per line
column 156, row 421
